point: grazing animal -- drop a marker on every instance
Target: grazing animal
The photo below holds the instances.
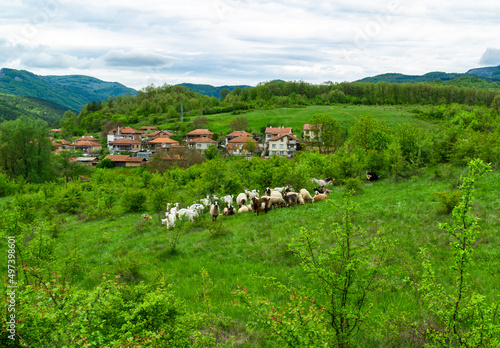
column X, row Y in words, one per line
column 306, row 195
column 214, row 211
column 260, row 204
column 146, row 217
column 189, row 213
column 275, row 201
column 245, row 209
column 320, row 197
column 322, row 182
column 291, row 198
column 206, row 201
column 227, row 199
column 169, row 220
column 321, row 190
column 371, row 176
column 241, row 199
column 197, row 207
column 229, row 210
column 252, row 194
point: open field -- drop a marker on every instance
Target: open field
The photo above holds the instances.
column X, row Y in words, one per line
column 345, row 115
column 404, row 212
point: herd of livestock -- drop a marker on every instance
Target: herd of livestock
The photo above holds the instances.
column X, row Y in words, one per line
column 247, row 201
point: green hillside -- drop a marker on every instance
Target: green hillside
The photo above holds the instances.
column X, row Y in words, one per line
column 72, row 92
column 209, row 90
column 13, row 107
column 401, row 78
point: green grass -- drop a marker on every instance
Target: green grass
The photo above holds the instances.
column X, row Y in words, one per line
column 404, row 212
column 345, row 115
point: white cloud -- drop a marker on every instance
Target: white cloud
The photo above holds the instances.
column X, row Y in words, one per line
column 246, row 41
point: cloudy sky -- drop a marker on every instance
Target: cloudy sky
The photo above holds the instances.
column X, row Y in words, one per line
column 139, row 43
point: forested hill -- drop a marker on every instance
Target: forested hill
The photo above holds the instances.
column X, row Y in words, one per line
column 13, row 107
column 486, row 78
column 72, row 92
column 209, row 90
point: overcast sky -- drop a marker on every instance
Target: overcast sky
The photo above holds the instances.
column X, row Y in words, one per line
column 144, row 42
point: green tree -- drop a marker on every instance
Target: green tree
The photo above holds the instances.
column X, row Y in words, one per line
column 67, row 168
column 326, row 135
column 223, row 93
column 239, row 124
column 466, row 319
column 211, row 152
column 25, row 149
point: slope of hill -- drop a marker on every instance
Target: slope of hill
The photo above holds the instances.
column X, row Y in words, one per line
column 209, row 90
column 489, row 73
column 12, row 107
column 72, row 92
column 401, row 78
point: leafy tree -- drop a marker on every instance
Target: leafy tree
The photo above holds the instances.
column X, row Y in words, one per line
column 250, row 145
column 200, row 122
column 223, row 93
column 211, row 152
column 466, row 318
column 105, row 163
column 239, row 124
column 25, row 149
column 69, row 169
column 326, row 135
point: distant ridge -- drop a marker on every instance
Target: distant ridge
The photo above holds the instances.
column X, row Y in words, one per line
column 72, row 91
column 487, row 73
column 209, row 90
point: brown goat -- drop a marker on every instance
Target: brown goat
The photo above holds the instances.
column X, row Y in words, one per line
column 260, row 204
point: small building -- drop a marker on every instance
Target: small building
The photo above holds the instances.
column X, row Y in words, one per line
column 145, row 129
column 201, row 143
column 310, row 131
column 88, row 161
column 199, row 133
column 124, row 132
column 162, row 143
column 237, row 146
column 126, row 160
column 284, row 145
column 236, row 134
column 272, row 132
column 86, row 146
column 124, row 144
column 159, row 134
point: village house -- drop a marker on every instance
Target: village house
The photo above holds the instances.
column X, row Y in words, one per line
column 162, row 143
column 285, row 145
column 237, row 134
column 199, row 133
column 124, row 144
column 145, row 129
column 88, row 161
column 158, row 134
column 238, row 145
column 201, row 143
column 310, row 131
column 126, row 160
column 272, row 132
column 124, row 132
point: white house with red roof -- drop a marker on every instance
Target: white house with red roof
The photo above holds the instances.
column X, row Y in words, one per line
column 201, row 143
column 162, row 143
column 199, row 133
column 284, row 145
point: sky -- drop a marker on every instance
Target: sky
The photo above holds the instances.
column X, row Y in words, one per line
column 226, row 42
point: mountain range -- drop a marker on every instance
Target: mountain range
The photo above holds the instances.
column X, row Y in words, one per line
column 487, row 73
column 71, row 92
column 48, row 97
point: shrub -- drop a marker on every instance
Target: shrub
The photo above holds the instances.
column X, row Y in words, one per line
column 353, row 184
column 448, row 200
column 133, row 200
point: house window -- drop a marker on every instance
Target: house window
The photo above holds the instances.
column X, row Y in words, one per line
column 198, row 145
column 282, row 153
column 281, row 139
column 282, row 146
column 273, row 146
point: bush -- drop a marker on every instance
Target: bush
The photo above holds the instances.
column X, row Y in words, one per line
column 448, row 201
column 133, row 200
column 353, row 184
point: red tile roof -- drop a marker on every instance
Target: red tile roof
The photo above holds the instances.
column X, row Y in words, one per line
column 163, row 140
column 278, row 130
column 238, row 134
column 200, row 132
column 308, row 126
column 124, row 158
column 125, row 130
column 85, row 144
column 87, row 138
column 124, row 141
column 241, row 139
column 148, row 127
column 284, row 135
column 202, row 140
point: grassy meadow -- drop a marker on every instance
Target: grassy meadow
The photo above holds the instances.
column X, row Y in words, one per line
column 404, row 212
column 344, row 114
